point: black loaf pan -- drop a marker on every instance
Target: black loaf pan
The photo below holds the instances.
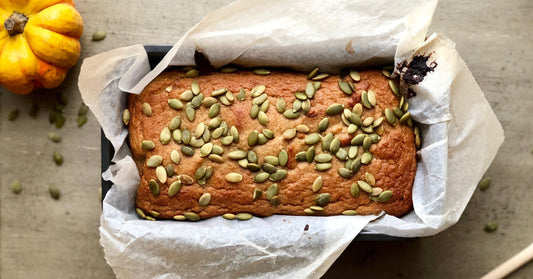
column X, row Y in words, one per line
column 155, row 54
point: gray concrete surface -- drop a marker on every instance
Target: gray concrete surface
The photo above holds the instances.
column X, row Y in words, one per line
column 45, row 238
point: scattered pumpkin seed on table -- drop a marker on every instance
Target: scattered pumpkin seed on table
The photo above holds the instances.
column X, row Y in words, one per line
column 54, row 192
column 16, row 187
column 98, row 35
column 58, row 158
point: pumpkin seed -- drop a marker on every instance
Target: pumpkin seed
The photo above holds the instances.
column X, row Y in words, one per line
column 245, row 216
column 323, row 124
column 484, row 184
column 99, row 35
column 16, row 187
column 260, row 99
column 367, row 143
column 59, row 121
column 206, row 149
column 229, row 96
column 316, row 208
column 253, row 167
column 398, row 112
column 269, row 168
column 179, row 218
column 126, row 115
column 187, row 150
column 312, row 73
column 257, row 194
column 214, row 123
column 200, row 172
column 216, row 158
column 190, row 112
column 290, row 114
column 214, row 110
column 186, row 179
column 195, row 87
column 352, row 152
column 405, row 118
column 349, row 212
column 364, row 186
column 322, row 199
column 366, row 158
column 289, row 134
column 241, row 95
column 386, row 73
column 301, row 156
column 264, row 106
column 302, row 128
column 377, row 122
column 261, row 139
column 364, row 99
column 394, row 87
column 54, row 192
column 356, row 165
column 154, row 187
column 358, row 109
column 174, row 123
column 261, row 71
column 217, row 133
column 196, row 102
column 191, row 216
column 312, row 139
column 334, row 109
column 355, row 119
column 140, row 212
column 370, row 179
column 310, row 90
column 147, row 109
column 355, row 75
column 252, row 138
column 81, row 111
column 310, row 154
column 237, row 155
column 227, row 140
column 344, row 172
column 186, row 96
column 262, row 118
column 224, row 100
column 300, row 96
column 218, row 92
column 233, row 177
column 323, row 166
column 326, row 142
column 273, row 160
column 204, row 200
column 254, row 111
column 161, row 174
column 367, row 129
column 385, row 196
column 371, row 98
column 165, row 136
column 342, row 154
column 261, row 177
column 208, row 172
column 309, row 211
column 354, row 190
column 316, row 85
column 258, row 90
column 345, row 87
column 175, row 104
column 368, row 121
column 268, row 133
column 197, row 143
column 320, row 76
column 352, row 128
column 154, row 161
column 217, row 149
column 58, row 158
column 405, row 106
column 335, row 145
column 228, row 69
column 376, row 191
column 317, row 184
column 391, row 118
column 154, row 213
column 280, row 105
column 170, row 170
column 149, row 218
column 275, row 201
column 283, row 158
column 323, row 158
column 278, row 175
column 192, row 73
column 229, row 216
column 272, row 191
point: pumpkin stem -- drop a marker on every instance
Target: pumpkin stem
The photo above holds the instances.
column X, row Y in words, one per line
column 15, row 23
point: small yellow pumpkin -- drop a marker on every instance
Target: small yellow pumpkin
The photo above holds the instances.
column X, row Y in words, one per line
column 39, row 42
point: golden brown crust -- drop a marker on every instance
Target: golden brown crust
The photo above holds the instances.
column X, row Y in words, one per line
column 393, row 164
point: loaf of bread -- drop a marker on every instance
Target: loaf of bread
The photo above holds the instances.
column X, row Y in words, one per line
column 241, row 143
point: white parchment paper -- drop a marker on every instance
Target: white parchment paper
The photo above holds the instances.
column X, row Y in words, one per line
column 461, row 136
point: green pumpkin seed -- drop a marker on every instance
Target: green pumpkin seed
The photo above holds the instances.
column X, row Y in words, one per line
column 323, row 166
column 199, row 131
column 165, row 136
column 335, row 145
column 484, row 184
column 280, row 105
column 312, row 139
column 367, row 129
column 54, row 192
column 216, row 158
column 320, row 76
column 140, row 212
column 196, row 102
column 310, row 154
column 405, row 107
column 175, row 157
column 58, row 158
column 175, row 104
column 214, row 110
column 312, row 73
column 126, row 116
column 310, row 90
column 364, row 186
column 185, row 179
column 229, row 96
column 358, row 109
column 149, row 218
column 323, row 125
column 268, row 133
column 218, row 92
column 342, row 154
column 289, row 134
column 206, row 149
column 275, row 201
column 371, row 96
column 179, row 218
column 283, row 158
column 296, row 105
column 253, row 167
column 195, row 87
column 154, row 187
column 200, row 172
column 229, row 216
column 264, row 106
column 191, row 216
column 224, row 101
column 237, row 155
column 261, row 71
column 170, row 170
column 251, row 156
column 241, row 95
column 261, row 139
column 326, row 142
column 317, row 184
column 227, row 140
column 290, row 114
column 217, row 133
column 386, row 73
column 174, row 123
column 245, row 216
column 405, row 117
column 302, row 128
column 273, row 160
column 59, row 121
column 398, row 112
column 254, row 111
column 161, row 174
column 269, row 168
column 491, row 226
column 391, row 118
column 316, row 208
column 214, row 123
column 354, row 190
column 190, row 112
column 257, row 194
column 368, row 121
column 204, row 200
column 81, row 111
column 228, row 69
column 147, row 109
column 272, row 191
column 316, row 85
column 99, row 35
column 345, row 87
column 154, row 161
column 366, row 158
column 323, row 158
column 376, row 191
column 309, row 211
column 187, row 150
column 258, row 90
column 322, row 199
column 217, row 149
column 334, row 109
column 349, row 212
column 356, row 165
column 192, row 73
column 352, row 128
column 278, row 175
column 394, row 87
column 262, row 118
column 378, row 122
column 186, row 96
column 261, row 177
column 355, row 119
column 385, row 196
column 176, row 136
column 352, row 152
column 301, row 156
column 154, row 213
column 260, row 99
column 355, row 75
column 344, row 172
column 370, row 179
column 16, row 187
column 233, row 177
column 367, row 143
column 252, row 138
column 197, row 143
column 364, row 100
column 300, row 96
